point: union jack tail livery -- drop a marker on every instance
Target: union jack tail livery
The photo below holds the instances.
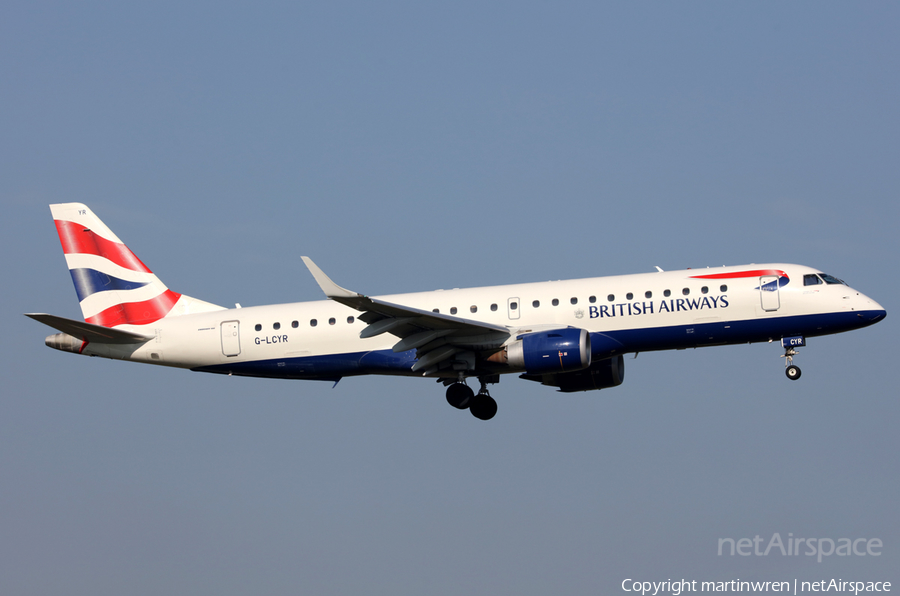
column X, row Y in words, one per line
column 114, row 286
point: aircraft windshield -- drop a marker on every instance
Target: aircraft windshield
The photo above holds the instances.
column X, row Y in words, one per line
column 829, row 279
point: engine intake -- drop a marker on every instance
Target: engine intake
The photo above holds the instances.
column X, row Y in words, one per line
column 554, row 351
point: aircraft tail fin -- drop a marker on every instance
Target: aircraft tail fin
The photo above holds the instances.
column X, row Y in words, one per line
column 114, row 286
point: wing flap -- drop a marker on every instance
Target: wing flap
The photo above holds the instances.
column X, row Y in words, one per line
column 422, row 338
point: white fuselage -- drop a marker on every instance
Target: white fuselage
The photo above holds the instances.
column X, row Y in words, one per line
column 628, row 313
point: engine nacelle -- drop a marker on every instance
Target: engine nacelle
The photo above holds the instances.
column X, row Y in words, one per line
column 554, row 351
column 605, row 373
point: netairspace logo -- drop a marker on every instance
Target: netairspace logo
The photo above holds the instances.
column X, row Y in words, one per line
column 820, row 547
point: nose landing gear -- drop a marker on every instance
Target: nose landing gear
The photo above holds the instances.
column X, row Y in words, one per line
column 791, row 370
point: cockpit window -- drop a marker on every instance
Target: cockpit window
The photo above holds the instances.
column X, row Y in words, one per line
column 829, row 279
column 811, row 279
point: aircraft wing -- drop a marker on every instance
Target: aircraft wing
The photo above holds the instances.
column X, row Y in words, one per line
column 436, row 338
column 88, row 331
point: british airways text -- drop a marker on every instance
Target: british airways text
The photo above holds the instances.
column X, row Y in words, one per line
column 627, row 309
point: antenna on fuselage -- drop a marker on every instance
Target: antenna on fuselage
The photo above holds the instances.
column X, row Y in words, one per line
column 658, row 268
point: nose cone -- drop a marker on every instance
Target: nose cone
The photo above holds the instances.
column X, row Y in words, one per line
column 879, row 313
column 872, row 312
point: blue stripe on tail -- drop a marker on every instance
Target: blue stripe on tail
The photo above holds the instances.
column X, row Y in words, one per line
column 91, row 281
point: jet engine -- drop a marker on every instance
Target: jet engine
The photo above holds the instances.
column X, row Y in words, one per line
column 554, row 351
column 601, row 374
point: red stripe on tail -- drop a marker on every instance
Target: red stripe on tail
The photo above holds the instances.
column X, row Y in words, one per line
column 75, row 239
column 137, row 313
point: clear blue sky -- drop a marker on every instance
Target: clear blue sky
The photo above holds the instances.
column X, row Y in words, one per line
column 409, row 147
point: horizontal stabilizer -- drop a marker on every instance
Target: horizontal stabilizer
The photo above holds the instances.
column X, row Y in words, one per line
column 88, row 331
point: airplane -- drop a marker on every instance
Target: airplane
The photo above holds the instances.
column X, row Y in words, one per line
column 570, row 334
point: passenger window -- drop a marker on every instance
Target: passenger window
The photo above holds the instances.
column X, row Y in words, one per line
column 592, row 299
column 723, row 288
column 686, row 291
column 313, row 322
column 350, row 320
column 573, row 300
column 811, row 279
column 611, row 297
column 513, row 305
column 555, row 302
column 331, row 321
column 473, row 308
column 629, row 296
column 295, row 324
column 453, row 310
column 536, row 303
column 704, row 290
column 276, row 326
column 648, row 294
column 258, row 327
column 667, row 293
column 437, row 310
column 494, row 308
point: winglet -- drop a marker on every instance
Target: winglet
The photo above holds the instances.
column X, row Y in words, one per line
column 331, row 289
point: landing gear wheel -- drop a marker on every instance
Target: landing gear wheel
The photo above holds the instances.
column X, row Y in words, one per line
column 792, row 372
column 459, row 395
column 483, row 406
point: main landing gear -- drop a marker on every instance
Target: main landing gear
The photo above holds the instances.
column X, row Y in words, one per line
column 461, row 396
column 789, row 343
